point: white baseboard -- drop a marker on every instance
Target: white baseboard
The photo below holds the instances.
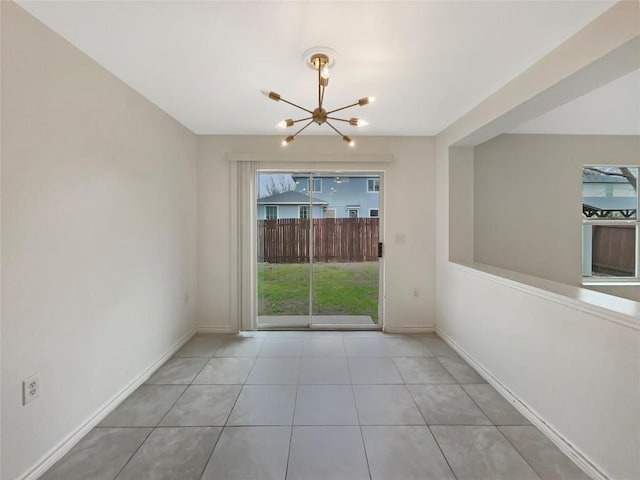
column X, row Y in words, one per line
column 62, row 448
column 408, row 329
column 216, row 329
column 530, row 414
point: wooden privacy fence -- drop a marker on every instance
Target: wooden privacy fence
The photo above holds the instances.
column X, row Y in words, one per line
column 286, row 240
column 613, row 250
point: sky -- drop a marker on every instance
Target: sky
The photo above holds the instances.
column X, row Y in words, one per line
column 265, row 179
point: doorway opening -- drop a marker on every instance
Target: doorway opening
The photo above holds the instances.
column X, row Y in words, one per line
column 318, row 250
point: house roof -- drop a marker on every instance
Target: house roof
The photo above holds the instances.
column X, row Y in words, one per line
column 611, row 203
column 607, row 207
column 290, row 198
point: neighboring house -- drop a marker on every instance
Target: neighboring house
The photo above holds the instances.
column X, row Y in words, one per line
column 289, row 205
column 347, row 196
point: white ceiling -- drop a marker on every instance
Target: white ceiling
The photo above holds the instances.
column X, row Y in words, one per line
column 613, row 109
column 427, row 63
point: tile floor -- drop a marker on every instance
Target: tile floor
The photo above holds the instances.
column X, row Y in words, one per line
column 315, row 405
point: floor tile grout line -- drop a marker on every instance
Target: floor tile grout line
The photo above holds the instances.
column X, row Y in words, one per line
column 187, row 385
column 477, row 404
column 179, row 358
column 239, row 393
column 431, row 432
column 206, row 464
column 416, row 404
column 234, row 404
column 135, row 452
column 518, row 451
column 449, row 371
column 487, row 415
column 228, row 416
column 399, row 373
column 255, row 359
column 320, row 424
column 355, row 404
column 295, row 403
column 482, row 382
column 297, row 384
column 435, row 439
column 215, row 444
column 364, row 448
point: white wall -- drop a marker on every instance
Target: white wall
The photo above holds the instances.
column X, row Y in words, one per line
column 573, row 364
column 631, row 292
column 98, row 236
column 577, row 370
column 409, row 214
column 528, row 201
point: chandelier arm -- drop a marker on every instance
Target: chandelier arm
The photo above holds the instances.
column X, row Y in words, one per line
column 302, row 128
column 337, row 131
column 343, row 108
column 322, row 96
column 339, row 119
column 303, row 119
column 297, row 106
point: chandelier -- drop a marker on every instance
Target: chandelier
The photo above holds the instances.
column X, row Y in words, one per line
column 319, row 61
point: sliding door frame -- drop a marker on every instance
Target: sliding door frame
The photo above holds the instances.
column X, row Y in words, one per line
column 312, row 173
column 243, row 195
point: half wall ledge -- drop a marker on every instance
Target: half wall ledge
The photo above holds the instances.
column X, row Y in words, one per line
column 608, row 307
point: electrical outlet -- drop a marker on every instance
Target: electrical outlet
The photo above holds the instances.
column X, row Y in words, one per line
column 30, row 388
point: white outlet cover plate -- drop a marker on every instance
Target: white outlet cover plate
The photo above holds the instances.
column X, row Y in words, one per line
column 30, row 388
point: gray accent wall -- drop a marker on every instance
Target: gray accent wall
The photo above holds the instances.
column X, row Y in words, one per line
column 528, row 201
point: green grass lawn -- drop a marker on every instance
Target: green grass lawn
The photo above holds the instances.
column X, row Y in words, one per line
column 338, row 289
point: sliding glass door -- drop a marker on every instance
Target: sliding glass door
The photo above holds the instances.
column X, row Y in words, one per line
column 283, row 252
column 345, row 271
column 317, row 250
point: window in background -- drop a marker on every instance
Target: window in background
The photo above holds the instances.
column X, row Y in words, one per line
column 303, row 211
column 373, row 185
column 610, row 223
column 374, row 212
column 271, row 212
column 317, row 185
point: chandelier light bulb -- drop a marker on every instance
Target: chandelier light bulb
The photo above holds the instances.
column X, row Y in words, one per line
column 358, row 122
column 324, row 73
column 366, row 100
column 288, row 140
column 271, row 95
column 285, row 123
column 348, row 139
